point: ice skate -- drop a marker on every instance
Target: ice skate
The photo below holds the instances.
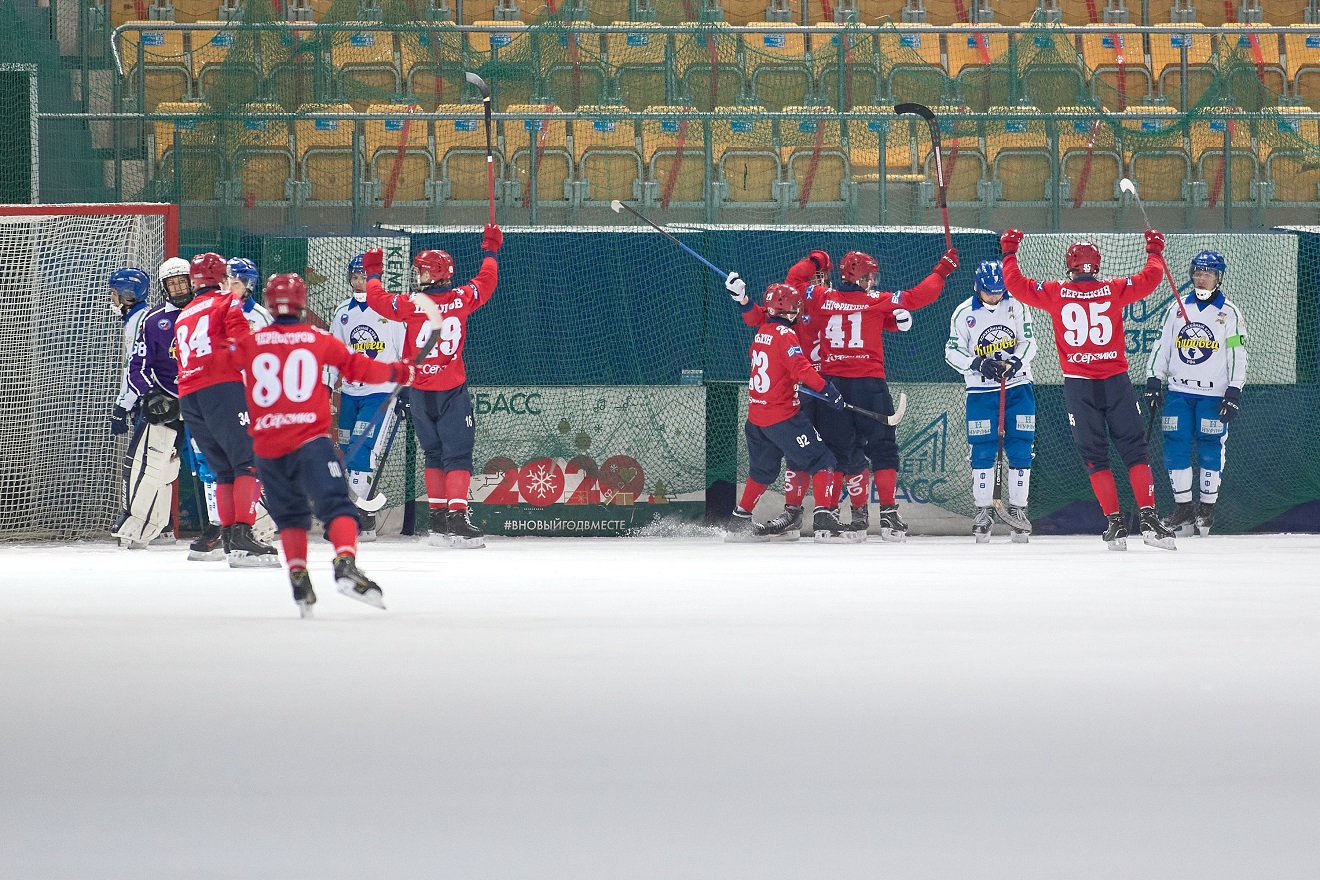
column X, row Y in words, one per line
column 861, row 521
column 1116, row 535
column 1014, row 517
column 245, row 551
column 827, row 529
column 892, row 527
column 982, row 524
column 439, row 528
column 356, row 585
column 787, row 526
column 1020, row 536
column 303, row 594
column 1153, row 532
column 463, row 535
column 1205, row 518
column 739, row 529
column 208, row 546
column 366, row 527
column 1183, row 519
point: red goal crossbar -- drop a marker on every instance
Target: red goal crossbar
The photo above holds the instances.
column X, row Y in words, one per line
column 169, row 214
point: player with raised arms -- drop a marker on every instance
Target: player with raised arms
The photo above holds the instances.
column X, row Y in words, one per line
column 367, row 332
column 1087, row 313
column 1205, row 364
column 215, row 407
column 992, row 344
column 439, row 401
column 298, row 462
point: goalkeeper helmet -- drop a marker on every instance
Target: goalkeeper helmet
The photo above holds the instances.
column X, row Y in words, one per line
column 246, row 271
column 438, row 265
column 128, row 287
column 175, row 284
column 856, row 267
column 990, row 278
column 1083, row 258
column 286, row 295
column 208, row 270
column 783, row 301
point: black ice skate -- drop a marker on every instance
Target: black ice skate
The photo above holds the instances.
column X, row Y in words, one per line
column 463, row 535
column 785, row 527
column 303, row 594
column 366, row 526
column 1183, row 519
column 861, row 520
column 1153, row 532
column 439, row 528
column 827, row 529
column 892, row 527
column 208, row 546
column 1019, row 514
column 1116, row 535
column 1205, row 518
column 356, row 585
column 982, row 524
column 245, row 551
column 739, row 529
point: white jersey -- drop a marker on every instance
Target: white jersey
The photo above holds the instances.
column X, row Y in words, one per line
column 258, row 316
column 1000, row 331
column 1205, row 356
column 132, row 326
column 366, row 331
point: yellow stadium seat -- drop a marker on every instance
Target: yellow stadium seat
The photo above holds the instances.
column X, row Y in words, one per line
column 325, row 155
column 572, row 67
column 433, row 66
column 874, row 12
column 290, row 59
column 163, row 74
column 1053, row 73
column 1119, row 75
column 899, row 139
column 262, row 157
column 1018, row 11
column 1165, row 52
column 477, row 11
column 1019, row 154
column 750, row 168
column 189, row 11
column 399, row 155
column 752, row 12
column 965, row 167
column 1304, row 66
column 1158, row 161
column 510, row 45
column 1291, row 162
column 978, row 59
column 541, row 139
column 848, row 69
column 1091, row 157
column 608, row 11
column 199, row 169
column 607, row 155
column 1252, row 66
column 1206, row 135
column 778, row 70
column 510, row 39
column 364, row 65
column 815, row 158
column 223, row 61
column 673, row 148
column 706, row 64
column 915, row 69
column 460, row 151
column 637, row 62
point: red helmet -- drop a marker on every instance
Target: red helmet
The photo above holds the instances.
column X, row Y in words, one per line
column 207, row 270
column 782, row 298
column 855, row 266
column 438, row 264
column 1083, row 258
column 286, row 295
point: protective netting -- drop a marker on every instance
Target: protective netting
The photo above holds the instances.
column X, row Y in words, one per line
column 60, row 374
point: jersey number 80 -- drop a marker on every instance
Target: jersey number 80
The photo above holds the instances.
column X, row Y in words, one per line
column 295, row 379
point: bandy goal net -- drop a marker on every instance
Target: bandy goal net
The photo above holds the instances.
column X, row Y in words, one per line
column 64, row 358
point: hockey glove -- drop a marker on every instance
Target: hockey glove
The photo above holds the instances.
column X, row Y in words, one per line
column 1229, row 406
column 821, row 259
column 989, row 368
column 948, row 264
column 403, row 373
column 373, row 263
column 1013, row 367
column 737, row 288
column 492, row 238
column 903, row 318
column 1154, row 241
column 1009, row 241
column 831, row 396
column 1154, row 394
column 401, row 403
column 118, row 421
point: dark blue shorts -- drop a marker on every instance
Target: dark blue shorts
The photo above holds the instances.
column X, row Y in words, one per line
column 1100, row 409
column 793, row 440
column 445, row 428
column 855, row 438
column 217, row 418
column 310, row 477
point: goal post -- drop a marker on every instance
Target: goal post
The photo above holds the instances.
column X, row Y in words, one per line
column 62, row 359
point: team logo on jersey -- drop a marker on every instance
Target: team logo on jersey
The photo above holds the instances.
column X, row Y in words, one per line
column 995, row 338
column 343, row 319
column 795, row 350
column 163, row 324
column 365, row 340
column 971, row 322
column 1195, row 344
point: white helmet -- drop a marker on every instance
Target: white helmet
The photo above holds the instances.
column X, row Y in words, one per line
column 172, row 267
column 175, row 267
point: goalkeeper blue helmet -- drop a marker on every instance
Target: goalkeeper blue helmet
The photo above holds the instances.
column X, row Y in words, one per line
column 1209, row 261
column 990, row 278
column 246, row 271
column 131, row 285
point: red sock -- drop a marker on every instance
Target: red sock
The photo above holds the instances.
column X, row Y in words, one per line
column 795, row 488
column 752, row 493
column 456, row 485
column 245, row 499
column 224, row 503
column 857, row 485
column 343, row 534
column 825, row 488
column 295, row 547
column 1102, row 484
column 1143, row 485
column 435, row 488
column 886, row 486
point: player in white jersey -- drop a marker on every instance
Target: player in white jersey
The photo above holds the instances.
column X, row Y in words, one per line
column 1205, row 364
column 364, row 330
column 991, row 343
column 243, row 280
column 129, row 289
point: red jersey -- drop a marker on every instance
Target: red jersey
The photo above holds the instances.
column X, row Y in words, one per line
column 848, row 326
column 778, row 365
column 443, row 369
column 1087, row 315
column 288, row 404
column 203, row 327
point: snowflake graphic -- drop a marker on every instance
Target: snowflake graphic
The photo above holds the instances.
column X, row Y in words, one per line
column 544, row 482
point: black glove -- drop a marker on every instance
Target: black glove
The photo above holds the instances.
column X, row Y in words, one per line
column 1014, row 367
column 118, row 421
column 401, row 403
column 989, row 368
column 1229, row 406
column 833, row 399
column 1154, row 394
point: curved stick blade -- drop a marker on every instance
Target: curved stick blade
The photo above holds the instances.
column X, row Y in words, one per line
column 1126, row 185
column 371, row 504
column 899, row 409
column 478, row 83
column 617, row 206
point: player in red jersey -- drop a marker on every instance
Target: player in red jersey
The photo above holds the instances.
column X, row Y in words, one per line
column 440, row 404
column 214, row 409
column 777, row 430
column 1087, row 313
column 290, row 430
column 850, row 321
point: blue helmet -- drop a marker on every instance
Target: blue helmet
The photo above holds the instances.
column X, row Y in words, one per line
column 1209, row 261
column 355, row 267
column 244, row 270
column 990, row 277
column 130, row 284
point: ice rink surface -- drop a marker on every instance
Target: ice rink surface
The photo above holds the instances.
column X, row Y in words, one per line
column 668, row 708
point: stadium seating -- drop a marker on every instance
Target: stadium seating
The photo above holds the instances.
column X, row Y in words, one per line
column 674, row 153
column 1206, row 137
column 542, row 140
column 1119, row 75
column 1255, row 77
column 848, row 69
column 161, row 74
column 261, row 160
column 433, row 65
column 815, row 159
column 1165, row 61
column 1053, row 74
column 707, row 69
column 978, row 60
column 364, row 64
column 1019, row 156
column 637, row 61
column 744, row 151
column 573, row 70
column 778, row 70
column 198, row 171
column 1304, row 67
column 607, row 158
column 325, row 156
column 1091, row 158
column 511, row 47
column 399, row 157
column 899, row 136
column 291, row 60
column 1157, row 155
column 1290, row 161
column 915, row 71
column 223, row 65
column 460, row 152
column 965, row 166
